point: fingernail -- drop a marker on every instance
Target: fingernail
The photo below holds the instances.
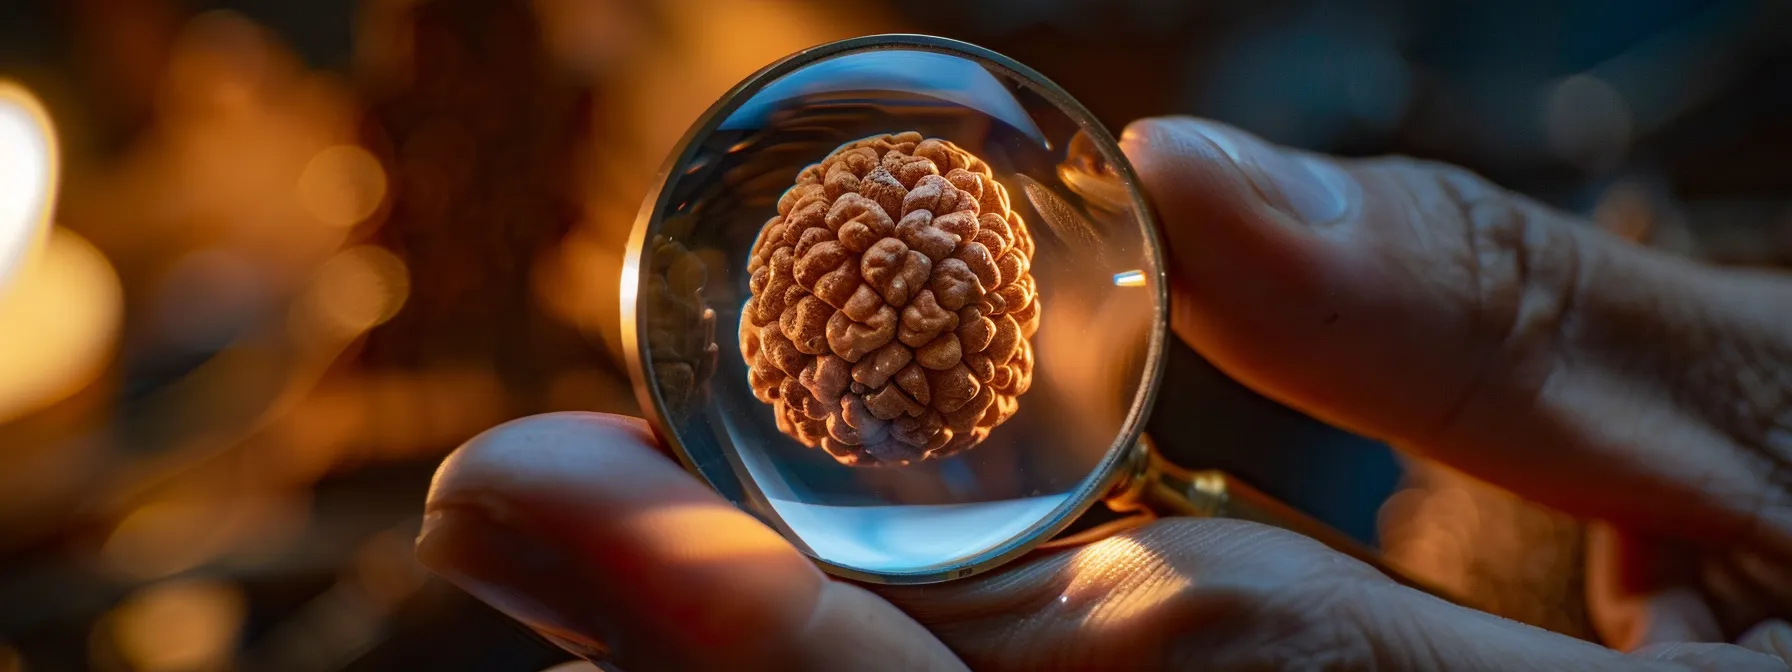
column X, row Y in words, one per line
column 488, row 553
column 1311, row 190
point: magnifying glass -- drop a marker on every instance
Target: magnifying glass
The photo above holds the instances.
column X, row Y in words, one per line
column 902, row 298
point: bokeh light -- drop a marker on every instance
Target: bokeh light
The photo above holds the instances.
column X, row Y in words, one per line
column 59, row 321
column 179, row 626
column 358, row 289
column 167, row 537
column 28, row 171
column 386, row 569
column 342, row 186
column 1588, row 122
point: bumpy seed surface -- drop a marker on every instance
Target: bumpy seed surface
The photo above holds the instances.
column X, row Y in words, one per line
column 892, row 303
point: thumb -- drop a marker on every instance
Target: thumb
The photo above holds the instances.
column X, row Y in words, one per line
column 1417, row 303
column 580, row 527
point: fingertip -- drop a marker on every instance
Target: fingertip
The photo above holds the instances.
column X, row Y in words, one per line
column 597, row 487
column 578, row 525
column 511, row 513
column 1227, row 231
column 1251, row 175
column 1140, row 130
column 538, row 458
column 1248, row 282
column 1155, row 134
column 1183, row 169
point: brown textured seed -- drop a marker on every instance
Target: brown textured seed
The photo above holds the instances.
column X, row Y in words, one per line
column 892, row 303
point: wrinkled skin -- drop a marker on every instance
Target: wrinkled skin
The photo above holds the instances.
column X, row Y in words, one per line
column 1407, row 301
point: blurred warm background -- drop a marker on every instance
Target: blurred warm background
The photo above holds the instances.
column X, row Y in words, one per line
column 300, row 250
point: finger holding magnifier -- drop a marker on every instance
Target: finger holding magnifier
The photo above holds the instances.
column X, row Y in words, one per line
column 1419, row 304
column 580, row 527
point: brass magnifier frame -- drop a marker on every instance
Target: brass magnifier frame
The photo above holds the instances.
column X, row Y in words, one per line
column 1133, row 477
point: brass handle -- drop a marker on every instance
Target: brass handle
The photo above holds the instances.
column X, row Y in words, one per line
column 1155, row 485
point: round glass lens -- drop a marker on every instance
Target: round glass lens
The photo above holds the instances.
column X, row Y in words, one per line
column 899, row 298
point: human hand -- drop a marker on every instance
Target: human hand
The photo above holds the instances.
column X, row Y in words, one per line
column 1361, row 313
column 1418, row 304
column 580, row 527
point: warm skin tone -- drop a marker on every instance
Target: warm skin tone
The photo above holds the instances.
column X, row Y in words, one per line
column 1406, row 301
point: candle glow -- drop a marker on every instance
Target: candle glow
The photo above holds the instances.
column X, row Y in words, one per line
column 28, row 165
